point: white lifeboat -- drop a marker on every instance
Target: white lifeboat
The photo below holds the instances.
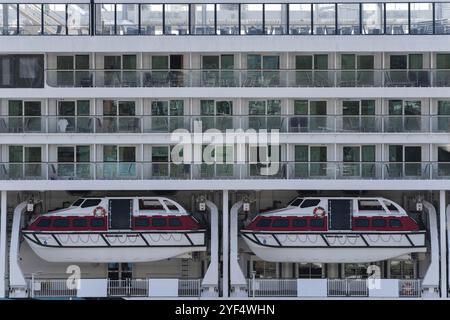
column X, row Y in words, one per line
column 113, row 229
column 334, row 230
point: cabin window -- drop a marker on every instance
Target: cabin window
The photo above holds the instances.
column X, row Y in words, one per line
column 141, row 222
column 90, row 203
column 44, row 223
column 78, row 202
column 296, row 202
column 150, row 205
column 97, row 222
column 362, row 223
column 171, row 206
column 61, row 223
column 310, row 203
column 369, row 205
column 299, row 223
column 390, row 206
column 280, row 223
column 79, row 223
column 395, row 223
column 159, row 222
column 316, row 223
column 175, row 222
column 263, row 223
column 378, row 223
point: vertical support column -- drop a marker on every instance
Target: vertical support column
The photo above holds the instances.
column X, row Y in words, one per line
column 3, row 239
column 443, row 243
column 225, row 244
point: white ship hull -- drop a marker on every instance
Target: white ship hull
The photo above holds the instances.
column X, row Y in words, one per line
column 333, row 247
column 104, row 247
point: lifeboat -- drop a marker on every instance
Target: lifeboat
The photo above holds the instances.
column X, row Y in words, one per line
column 334, row 230
column 132, row 229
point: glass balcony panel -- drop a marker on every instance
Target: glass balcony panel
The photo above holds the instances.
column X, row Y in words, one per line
column 348, row 18
column 227, row 19
column 442, row 18
column 176, row 19
column 152, row 19
column 105, row 14
column 372, row 18
column 127, row 17
column 421, row 18
column 8, row 19
column 252, row 19
column 54, row 19
column 78, row 17
column 300, row 18
column 324, row 18
column 441, row 170
column 202, row 17
column 397, row 21
column 30, row 19
column 275, row 19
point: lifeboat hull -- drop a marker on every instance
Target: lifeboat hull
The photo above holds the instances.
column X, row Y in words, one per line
column 104, row 247
column 333, row 247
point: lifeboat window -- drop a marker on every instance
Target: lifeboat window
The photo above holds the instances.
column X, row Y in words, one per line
column 79, row 223
column 159, row 222
column 280, row 223
column 141, row 222
column 78, row 202
column 369, row 205
column 296, row 202
column 171, row 206
column 299, row 223
column 263, row 223
column 378, row 223
column 90, row 203
column 97, row 222
column 316, row 223
column 391, row 206
column 61, row 223
column 362, row 223
column 150, row 205
column 395, row 223
column 174, row 222
column 44, row 223
column 310, row 203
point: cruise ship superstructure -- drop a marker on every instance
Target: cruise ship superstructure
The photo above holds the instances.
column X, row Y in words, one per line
column 242, row 149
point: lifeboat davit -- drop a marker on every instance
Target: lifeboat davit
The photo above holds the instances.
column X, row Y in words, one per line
column 113, row 229
column 334, row 230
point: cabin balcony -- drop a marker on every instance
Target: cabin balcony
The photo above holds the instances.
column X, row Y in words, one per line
column 282, row 123
column 257, row 288
column 247, row 78
column 341, row 288
column 60, row 288
column 287, row 170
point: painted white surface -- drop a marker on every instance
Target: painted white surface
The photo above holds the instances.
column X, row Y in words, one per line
column 211, row 278
column 92, row 288
column 244, row 184
column 208, row 92
column 312, row 287
column 3, row 214
column 379, row 288
column 16, row 277
column 431, row 278
column 163, row 287
column 239, row 43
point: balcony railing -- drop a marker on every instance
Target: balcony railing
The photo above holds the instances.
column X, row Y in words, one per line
column 283, row 123
column 272, row 287
column 200, row 171
column 58, row 288
column 284, row 78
